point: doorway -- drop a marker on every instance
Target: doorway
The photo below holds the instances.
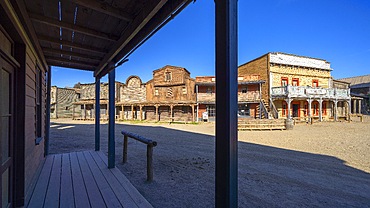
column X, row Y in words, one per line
column 295, row 110
column 6, row 131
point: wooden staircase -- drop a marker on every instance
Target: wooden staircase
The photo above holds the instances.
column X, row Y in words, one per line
column 264, row 112
column 261, row 124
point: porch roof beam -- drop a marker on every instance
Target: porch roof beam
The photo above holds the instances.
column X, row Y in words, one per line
column 70, row 61
column 70, row 53
column 72, row 27
column 70, row 44
column 104, row 8
column 147, row 12
column 70, row 65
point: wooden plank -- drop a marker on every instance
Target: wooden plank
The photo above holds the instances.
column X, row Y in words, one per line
column 131, row 190
column 52, row 195
column 39, row 193
column 121, row 193
column 105, row 190
column 95, row 198
column 66, row 190
column 80, row 193
column 104, row 8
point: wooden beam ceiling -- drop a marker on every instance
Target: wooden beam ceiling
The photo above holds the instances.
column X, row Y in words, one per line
column 146, row 13
column 104, row 8
column 68, row 65
column 70, row 53
column 72, row 45
column 65, row 60
column 72, row 27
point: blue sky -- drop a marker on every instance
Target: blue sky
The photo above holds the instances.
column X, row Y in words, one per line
column 335, row 30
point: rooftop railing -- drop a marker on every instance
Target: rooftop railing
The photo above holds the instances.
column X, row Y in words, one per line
column 310, row 92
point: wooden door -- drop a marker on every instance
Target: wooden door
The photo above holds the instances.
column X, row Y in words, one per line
column 6, row 131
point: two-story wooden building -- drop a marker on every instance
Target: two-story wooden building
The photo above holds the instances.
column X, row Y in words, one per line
column 298, row 86
column 249, row 97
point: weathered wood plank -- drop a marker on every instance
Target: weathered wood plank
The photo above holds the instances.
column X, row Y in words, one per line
column 96, row 199
column 79, row 190
column 121, row 193
column 38, row 196
column 66, row 190
column 52, row 195
column 105, row 190
column 131, row 190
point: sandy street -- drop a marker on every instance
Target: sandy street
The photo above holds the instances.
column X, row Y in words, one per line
column 320, row 165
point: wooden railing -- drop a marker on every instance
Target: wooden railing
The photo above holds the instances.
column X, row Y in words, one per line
column 315, row 92
column 149, row 151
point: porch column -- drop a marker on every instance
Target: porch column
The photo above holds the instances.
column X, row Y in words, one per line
column 132, row 112
column 111, row 122
column 84, row 111
column 196, row 89
column 73, row 112
column 193, row 113
column 156, row 113
column 309, row 110
column 359, row 106
column 123, row 112
column 354, row 106
column 97, row 114
column 289, row 101
column 320, row 109
column 226, row 172
column 141, row 112
column 335, row 110
column 171, row 112
column 48, row 97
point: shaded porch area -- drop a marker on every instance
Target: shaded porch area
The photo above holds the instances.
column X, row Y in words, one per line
column 82, row 179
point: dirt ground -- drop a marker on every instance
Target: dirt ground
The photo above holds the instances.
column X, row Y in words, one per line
column 321, row 165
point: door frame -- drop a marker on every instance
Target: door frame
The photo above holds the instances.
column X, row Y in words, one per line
column 298, row 110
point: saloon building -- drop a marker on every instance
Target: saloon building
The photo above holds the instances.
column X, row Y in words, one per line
column 299, row 87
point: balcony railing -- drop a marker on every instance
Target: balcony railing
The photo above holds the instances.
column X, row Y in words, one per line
column 252, row 96
column 310, row 92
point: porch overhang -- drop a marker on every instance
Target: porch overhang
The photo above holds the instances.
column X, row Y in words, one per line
column 92, row 35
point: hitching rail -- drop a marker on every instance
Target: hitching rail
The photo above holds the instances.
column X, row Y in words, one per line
column 149, row 151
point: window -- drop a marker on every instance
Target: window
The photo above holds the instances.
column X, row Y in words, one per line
column 38, row 103
column 285, row 110
column 184, row 91
column 168, row 76
column 211, row 110
column 244, row 90
column 209, row 90
column 169, row 92
column 316, row 109
column 295, row 81
column 315, row 83
column 284, row 81
column 156, row 93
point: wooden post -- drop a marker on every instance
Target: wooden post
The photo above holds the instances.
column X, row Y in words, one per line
column 47, row 125
column 288, row 101
column 97, row 114
column 171, row 113
column 111, row 123
column 141, row 112
column 125, row 142
column 132, row 112
column 335, row 110
column 226, row 172
column 149, row 162
column 73, row 112
column 123, row 112
column 320, row 109
column 193, row 113
column 84, row 111
column 156, row 113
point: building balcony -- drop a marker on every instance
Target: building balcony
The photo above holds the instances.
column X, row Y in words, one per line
column 310, row 92
column 208, row 98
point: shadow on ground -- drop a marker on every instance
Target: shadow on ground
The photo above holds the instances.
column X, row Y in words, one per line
column 184, row 170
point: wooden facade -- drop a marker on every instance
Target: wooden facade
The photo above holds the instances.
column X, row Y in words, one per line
column 35, row 35
column 299, row 87
column 249, row 96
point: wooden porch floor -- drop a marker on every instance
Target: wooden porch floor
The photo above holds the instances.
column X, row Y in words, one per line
column 82, row 179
